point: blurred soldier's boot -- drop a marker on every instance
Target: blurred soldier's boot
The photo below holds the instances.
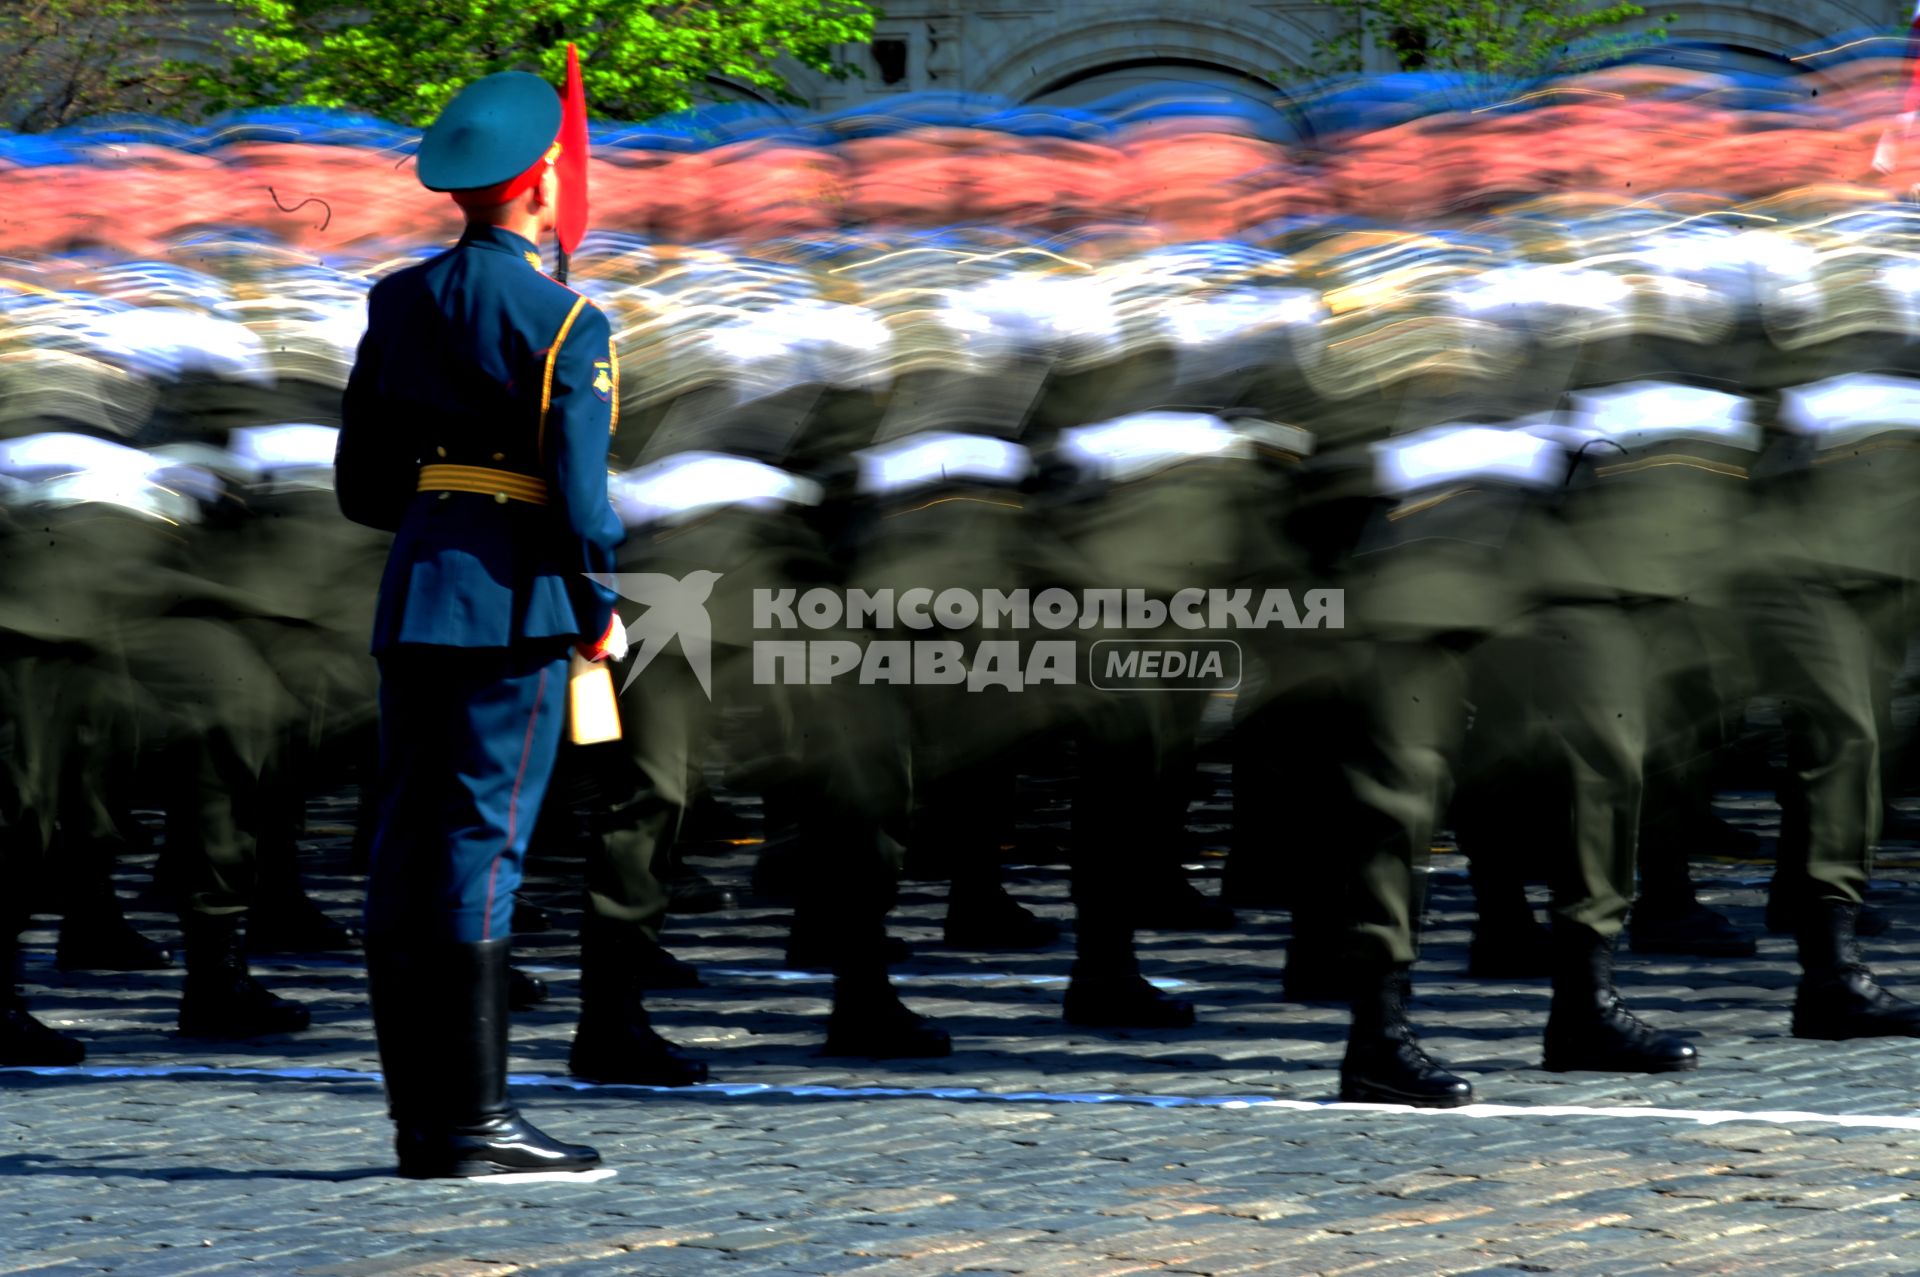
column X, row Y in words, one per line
column 529, row 919
column 1384, row 1063
column 94, row 934
column 1101, row 997
column 292, row 923
column 524, row 991
column 616, row 1041
column 283, row 919
column 1315, row 970
column 440, row 1016
column 1788, row 892
column 779, row 872
column 810, row 947
column 981, row 915
column 1588, row 1027
column 1678, row 923
column 1249, row 884
column 106, row 942
column 1172, row 903
column 219, row 998
column 1106, row 989
column 1508, row 941
column 690, row 892
column 869, row 1019
column 658, row 969
column 1515, row 949
column 1838, row 997
column 24, row 1041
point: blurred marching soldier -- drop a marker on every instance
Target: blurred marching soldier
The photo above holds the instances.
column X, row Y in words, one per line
column 148, row 669
column 1837, row 510
column 715, row 519
column 1608, row 672
column 476, row 426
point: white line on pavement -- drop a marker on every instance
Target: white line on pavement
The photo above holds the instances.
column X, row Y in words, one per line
column 748, row 1090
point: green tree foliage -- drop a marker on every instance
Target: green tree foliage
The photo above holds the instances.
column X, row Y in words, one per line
column 403, row 59
column 1491, row 37
column 64, row 60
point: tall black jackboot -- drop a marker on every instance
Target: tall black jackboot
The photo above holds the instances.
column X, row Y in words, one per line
column 1385, row 1063
column 1838, row 996
column 459, row 1123
column 393, row 995
column 1588, row 1027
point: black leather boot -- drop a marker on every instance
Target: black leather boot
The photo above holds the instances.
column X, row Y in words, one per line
column 287, row 921
column 658, row 969
column 24, row 1041
column 984, row 916
column 393, row 993
column 1173, row 903
column 1589, row 1028
column 1838, row 997
column 220, row 998
column 1384, row 1062
column 868, row 1019
column 1113, row 994
column 1105, row 989
column 458, row 1123
column 615, row 1041
column 106, row 941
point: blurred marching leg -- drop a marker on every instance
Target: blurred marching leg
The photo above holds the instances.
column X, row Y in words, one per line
column 1410, row 706
column 1818, row 648
column 283, row 918
column 1588, row 666
column 633, row 791
column 615, row 1040
column 1106, row 988
column 25, row 1041
column 964, row 813
column 1169, row 901
column 1686, row 718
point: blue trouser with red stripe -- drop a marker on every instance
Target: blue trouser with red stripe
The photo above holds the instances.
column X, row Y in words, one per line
column 467, row 744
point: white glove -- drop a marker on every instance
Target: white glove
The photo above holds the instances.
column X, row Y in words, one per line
column 617, row 639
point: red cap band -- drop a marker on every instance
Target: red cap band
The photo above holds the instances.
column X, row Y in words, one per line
column 512, row 188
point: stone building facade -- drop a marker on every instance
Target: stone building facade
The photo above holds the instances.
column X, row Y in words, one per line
column 1077, row 51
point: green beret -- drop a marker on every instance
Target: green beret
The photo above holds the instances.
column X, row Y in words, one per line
column 494, row 130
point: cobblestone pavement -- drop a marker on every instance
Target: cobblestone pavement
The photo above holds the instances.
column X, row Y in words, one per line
column 1078, row 1159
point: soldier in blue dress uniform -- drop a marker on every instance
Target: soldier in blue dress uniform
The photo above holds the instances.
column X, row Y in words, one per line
column 476, row 427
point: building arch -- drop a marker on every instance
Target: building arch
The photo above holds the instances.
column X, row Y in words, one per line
column 1090, row 83
column 718, row 88
column 1764, row 26
column 1176, row 34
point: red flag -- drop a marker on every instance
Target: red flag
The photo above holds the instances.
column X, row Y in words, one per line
column 571, row 223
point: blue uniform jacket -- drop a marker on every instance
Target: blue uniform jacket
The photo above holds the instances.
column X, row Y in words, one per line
column 477, row 359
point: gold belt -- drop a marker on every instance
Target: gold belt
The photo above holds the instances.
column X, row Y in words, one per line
column 502, row 485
